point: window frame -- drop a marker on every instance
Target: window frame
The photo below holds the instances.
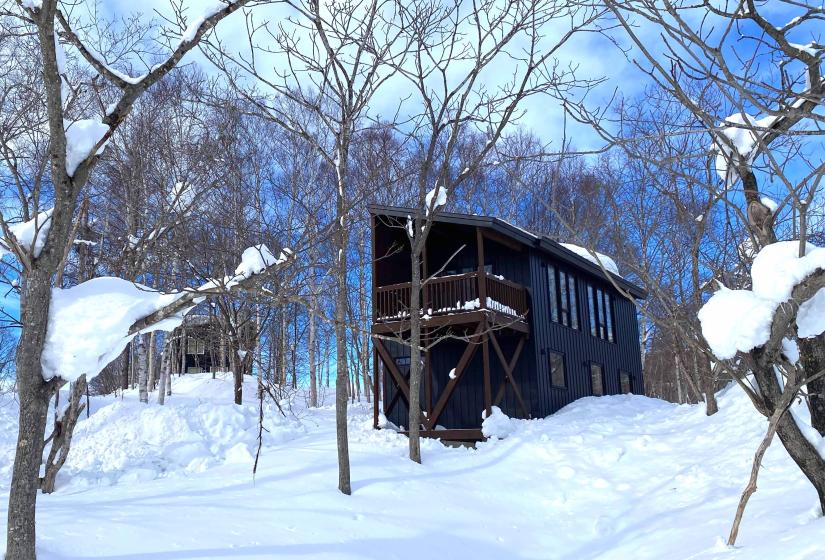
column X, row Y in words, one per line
column 590, row 366
column 563, row 358
column 562, row 292
column 200, row 346
column 629, row 382
column 602, row 313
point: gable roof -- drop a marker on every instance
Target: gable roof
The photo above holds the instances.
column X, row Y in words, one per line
column 520, row 235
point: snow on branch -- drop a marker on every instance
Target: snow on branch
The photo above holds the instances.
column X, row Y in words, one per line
column 90, row 324
column 81, row 138
column 737, row 143
column 741, row 320
column 29, row 236
column 435, row 199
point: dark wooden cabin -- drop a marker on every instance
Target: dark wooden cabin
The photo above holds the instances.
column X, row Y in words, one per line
column 518, row 321
column 200, row 344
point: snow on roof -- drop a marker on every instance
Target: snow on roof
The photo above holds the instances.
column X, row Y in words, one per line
column 599, row 259
column 740, row 320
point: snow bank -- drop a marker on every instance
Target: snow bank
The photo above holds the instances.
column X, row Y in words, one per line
column 89, row 324
column 498, row 425
column 608, row 263
column 740, row 320
column 608, row 478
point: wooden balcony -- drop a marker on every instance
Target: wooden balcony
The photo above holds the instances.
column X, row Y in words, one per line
column 453, row 299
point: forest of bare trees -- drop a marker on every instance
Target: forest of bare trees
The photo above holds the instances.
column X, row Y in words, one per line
column 193, row 160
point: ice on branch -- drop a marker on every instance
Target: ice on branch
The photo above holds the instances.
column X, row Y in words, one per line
column 30, row 235
column 89, row 324
column 608, row 263
column 81, row 137
column 740, row 320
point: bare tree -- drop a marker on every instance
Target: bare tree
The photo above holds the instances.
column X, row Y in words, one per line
column 760, row 127
column 72, row 152
column 473, row 37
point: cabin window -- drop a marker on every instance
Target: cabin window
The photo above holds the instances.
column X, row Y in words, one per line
column 195, row 346
column 403, row 364
column 194, row 370
column 564, row 306
column 625, row 384
column 558, row 378
column 600, row 308
column 596, row 380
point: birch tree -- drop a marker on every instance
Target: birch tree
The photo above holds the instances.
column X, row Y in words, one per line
column 76, row 134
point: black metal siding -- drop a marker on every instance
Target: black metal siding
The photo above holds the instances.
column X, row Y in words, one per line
column 579, row 347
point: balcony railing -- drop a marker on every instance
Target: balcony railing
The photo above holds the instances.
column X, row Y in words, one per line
column 446, row 295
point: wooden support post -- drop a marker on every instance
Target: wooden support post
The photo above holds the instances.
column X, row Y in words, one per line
column 482, row 272
column 485, row 355
column 469, row 352
column 376, row 369
column 508, row 373
column 428, row 378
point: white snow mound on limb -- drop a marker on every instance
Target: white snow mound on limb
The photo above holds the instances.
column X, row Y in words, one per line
column 742, row 132
column 498, row 425
column 81, row 137
column 736, row 320
column 777, row 268
column 255, row 260
column 440, row 196
column 89, row 324
column 740, row 320
column 607, row 262
column 209, row 10
column 30, row 235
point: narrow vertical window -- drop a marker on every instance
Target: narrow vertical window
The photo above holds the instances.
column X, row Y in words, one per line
column 602, row 326
column 557, row 375
column 596, row 380
column 624, row 383
column 574, row 304
column 553, row 293
column 608, row 319
column 591, row 307
column 564, row 301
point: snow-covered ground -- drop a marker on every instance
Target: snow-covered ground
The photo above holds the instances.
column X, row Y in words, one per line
column 613, row 477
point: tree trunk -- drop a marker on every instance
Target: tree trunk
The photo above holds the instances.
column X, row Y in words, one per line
column 341, row 303
column 61, row 438
column 124, row 367
column 165, row 367
column 313, row 381
column 151, row 367
column 812, row 358
column 142, row 368
column 803, row 453
column 415, row 356
column 34, row 394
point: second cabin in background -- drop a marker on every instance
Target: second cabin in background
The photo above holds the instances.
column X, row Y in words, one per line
column 513, row 319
